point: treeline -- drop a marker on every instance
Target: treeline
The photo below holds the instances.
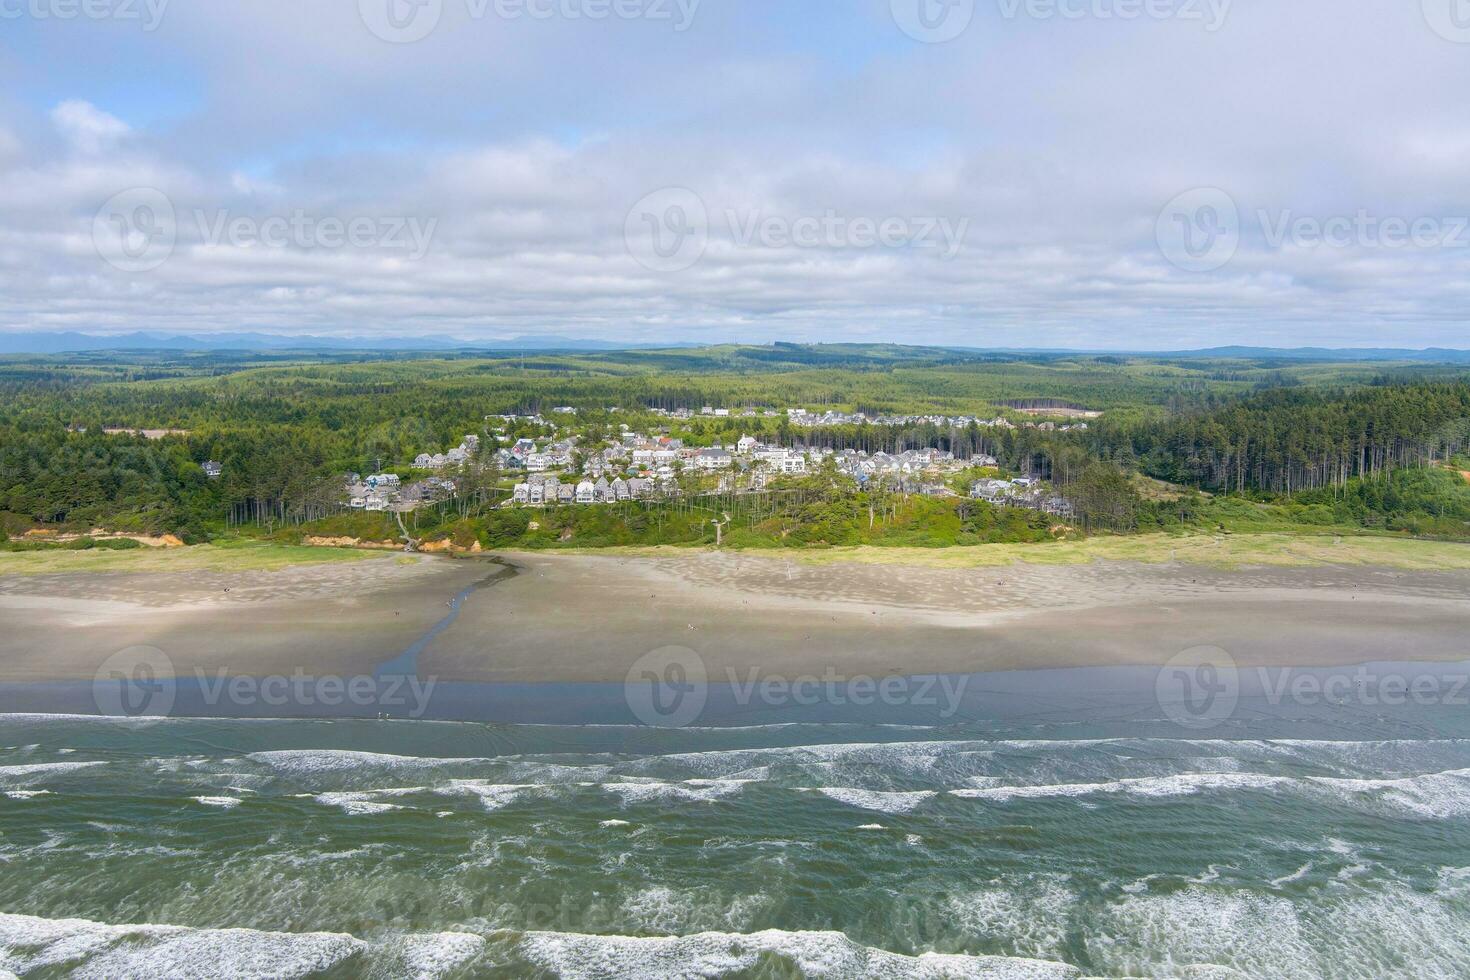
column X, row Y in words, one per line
column 1292, row 440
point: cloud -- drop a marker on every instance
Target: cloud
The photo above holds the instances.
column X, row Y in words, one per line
column 87, row 128
column 525, row 143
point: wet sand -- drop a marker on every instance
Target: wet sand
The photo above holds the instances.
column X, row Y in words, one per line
column 340, row 618
column 589, row 618
column 582, row 618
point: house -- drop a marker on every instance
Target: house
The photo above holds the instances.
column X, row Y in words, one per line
column 602, row 491
column 746, row 445
column 586, row 492
column 566, row 493
column 992, row 491
column 212, row 470
column 522, row 493
column 620, row 490
column 713, row 459
column 423, row 461
column 639, row 488
column 383, row 481
column 1059, row 507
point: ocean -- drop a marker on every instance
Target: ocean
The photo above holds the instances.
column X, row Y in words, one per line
column 1287, row 844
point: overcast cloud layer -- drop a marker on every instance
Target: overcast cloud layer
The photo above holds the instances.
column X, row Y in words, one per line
column 1059, row 173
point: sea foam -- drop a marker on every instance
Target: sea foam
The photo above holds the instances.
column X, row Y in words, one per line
column 716, row 954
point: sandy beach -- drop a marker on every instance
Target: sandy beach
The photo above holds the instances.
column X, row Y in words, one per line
column 573, row 618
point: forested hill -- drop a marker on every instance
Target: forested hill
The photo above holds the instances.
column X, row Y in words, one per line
column 286, row 426
column 1287, row 440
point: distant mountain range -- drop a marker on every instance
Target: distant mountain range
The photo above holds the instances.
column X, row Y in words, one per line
column 1437, row 355
column 37, row 342
column 62, row 343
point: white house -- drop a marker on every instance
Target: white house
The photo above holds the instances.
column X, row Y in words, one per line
column 586, row 492
column 713, row 459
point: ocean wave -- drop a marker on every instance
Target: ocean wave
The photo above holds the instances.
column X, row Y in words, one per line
column 882, row 802
column 1180, row 785
column 1436, row 795
column 700, row 790
column 94, row 949
column 44, row 769
column 718, row 954
column 314, row 761
column 367, row 801
column 492, row 796
column 88, row 949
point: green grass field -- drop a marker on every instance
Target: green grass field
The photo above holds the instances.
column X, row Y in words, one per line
column 1228, row 550
column 228, row 556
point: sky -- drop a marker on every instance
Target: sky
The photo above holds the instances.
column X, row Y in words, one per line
column 1095, row 174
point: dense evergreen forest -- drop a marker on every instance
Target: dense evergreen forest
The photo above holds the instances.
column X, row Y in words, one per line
column 1312, row 443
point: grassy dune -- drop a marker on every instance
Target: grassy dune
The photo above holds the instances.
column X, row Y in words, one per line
column 233, row 556
column 1282, row 550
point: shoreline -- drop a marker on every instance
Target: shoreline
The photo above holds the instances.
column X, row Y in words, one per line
column 587, row 618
